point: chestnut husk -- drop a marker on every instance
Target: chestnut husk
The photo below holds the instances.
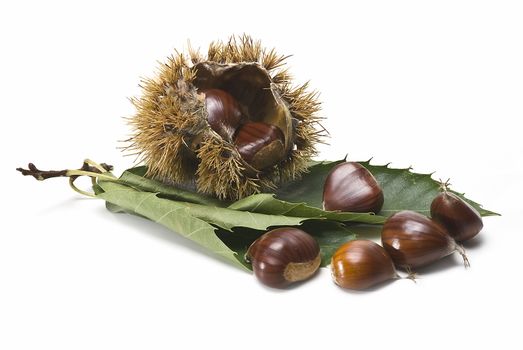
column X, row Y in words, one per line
column 283, row 256
column 174, row 139
column 461, row 220
column 361, row 264
column 414, row 240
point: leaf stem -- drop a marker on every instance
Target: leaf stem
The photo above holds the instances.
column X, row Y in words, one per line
column 89, row 168
column 444, row 185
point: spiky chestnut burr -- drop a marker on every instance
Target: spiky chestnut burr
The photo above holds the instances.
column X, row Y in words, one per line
column 173, row 134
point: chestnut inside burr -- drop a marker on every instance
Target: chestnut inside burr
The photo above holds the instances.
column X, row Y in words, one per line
column 251, row 86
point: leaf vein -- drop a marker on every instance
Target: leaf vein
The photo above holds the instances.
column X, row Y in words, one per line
column 143, row 200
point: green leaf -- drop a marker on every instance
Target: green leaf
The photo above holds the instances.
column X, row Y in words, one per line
column 477, row 206
column 135, row 177
column 263, row 203
column 194, row 221
column 168, row 213
column 113, row 208
column 226, row 218
column 225, row 232
column 227, row 229
column 266, row 203
column 402, row 188
column 97, row 189
column 308, row 189
column 330, row 236
column 406, row 190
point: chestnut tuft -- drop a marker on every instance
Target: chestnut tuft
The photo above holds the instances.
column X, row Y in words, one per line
column 460, row 219
column 283, row 256
column 361, row 264
column 260, row 144
column 223, row 112
column 414, row 240
column 351, row 187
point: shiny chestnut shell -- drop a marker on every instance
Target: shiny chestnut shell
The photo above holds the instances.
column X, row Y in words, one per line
column 260, row 144
column 351, row 187
column 361, row 264
column 460, row 219
column 223, row 112
column 283, row 256
column 414, row 240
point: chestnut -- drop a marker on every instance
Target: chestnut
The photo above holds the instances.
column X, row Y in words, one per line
column 283, row 256
column 260, row 144
column 351, row 187
column 414, row 240
column 223, row 112
column 460, row 219
column 361, row 264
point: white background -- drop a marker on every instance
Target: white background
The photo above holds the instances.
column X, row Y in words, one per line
column 437, row 85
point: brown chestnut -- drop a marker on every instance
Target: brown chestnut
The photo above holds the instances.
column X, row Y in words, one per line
column 223, row 112
column 361, row 264
column 351, row 187
column 414, row 240
column 260, row 144
column 283, row 256
column 460, row 219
